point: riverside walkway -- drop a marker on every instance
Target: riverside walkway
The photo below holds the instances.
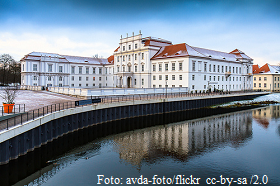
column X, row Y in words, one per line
column 40, row 103
column 27, row 131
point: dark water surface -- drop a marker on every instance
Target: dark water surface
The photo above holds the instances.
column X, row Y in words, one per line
column 243, row 145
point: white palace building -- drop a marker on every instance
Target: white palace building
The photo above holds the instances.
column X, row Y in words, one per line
column 143, row 63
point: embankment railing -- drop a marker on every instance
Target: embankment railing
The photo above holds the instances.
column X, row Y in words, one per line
column 20, row 118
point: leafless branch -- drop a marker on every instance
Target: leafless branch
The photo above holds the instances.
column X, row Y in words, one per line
column 9, row 94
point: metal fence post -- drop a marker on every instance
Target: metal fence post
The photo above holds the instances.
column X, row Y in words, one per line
column 23, row 107
column 33, row 114
column 21, row 118
column 7, row 124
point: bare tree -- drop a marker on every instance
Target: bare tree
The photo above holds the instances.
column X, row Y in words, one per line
column 6, row 61
column 9, row 94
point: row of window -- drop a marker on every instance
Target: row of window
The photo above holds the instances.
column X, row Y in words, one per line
column 205, row 86
column 99, row 85
column 60, row 69
column 222, row 87
column 265, row 78
column 217, row 68
column 35, row 78
column 160, row 86
column 276, row 85
column 166, row 65
column 222, row 78
column 129, row 68
column 50, row 68
column 87, row 78
column 94, row 71
column 72, row 85
column 166, row 77
column 129, row 57
column 129, row 47
column 72, row 78
column 193, row 78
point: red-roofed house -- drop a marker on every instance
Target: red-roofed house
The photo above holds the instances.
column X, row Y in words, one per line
column 154, row 63
column 266, row 78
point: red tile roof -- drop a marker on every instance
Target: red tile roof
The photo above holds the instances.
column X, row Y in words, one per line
column 239, row 54
column 265, row 68
column 183, row 49
column 268, row 69
column 116, row 49
column 111, row 59
column 172, row 50
column 256, row 69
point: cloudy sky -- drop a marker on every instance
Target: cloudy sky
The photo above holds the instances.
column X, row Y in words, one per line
column 89, row 27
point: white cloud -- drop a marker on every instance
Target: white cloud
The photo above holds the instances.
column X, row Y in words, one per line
column 262, row 44
column 19, row 45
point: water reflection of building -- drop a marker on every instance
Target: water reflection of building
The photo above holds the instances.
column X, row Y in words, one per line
column 185, row 139
column 264, row 115
column 269, row 112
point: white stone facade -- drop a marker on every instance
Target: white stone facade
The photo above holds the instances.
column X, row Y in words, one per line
column 200, row 74
column 143, row 63
column 132, row 61
column 155, row 63
column 54, row 70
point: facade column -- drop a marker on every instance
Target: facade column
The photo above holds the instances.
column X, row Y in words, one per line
column 124, row 81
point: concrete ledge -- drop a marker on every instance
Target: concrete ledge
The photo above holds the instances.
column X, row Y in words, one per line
column 19, row 129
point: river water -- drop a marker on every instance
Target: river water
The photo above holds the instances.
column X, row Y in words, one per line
column 237, row 148
column 227, row 149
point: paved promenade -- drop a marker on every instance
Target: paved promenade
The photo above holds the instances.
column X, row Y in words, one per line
column 37, row 99
column 39, row 103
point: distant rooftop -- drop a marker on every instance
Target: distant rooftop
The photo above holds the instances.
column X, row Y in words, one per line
column 183, row 49
column 266, row 69
column 38, row 56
